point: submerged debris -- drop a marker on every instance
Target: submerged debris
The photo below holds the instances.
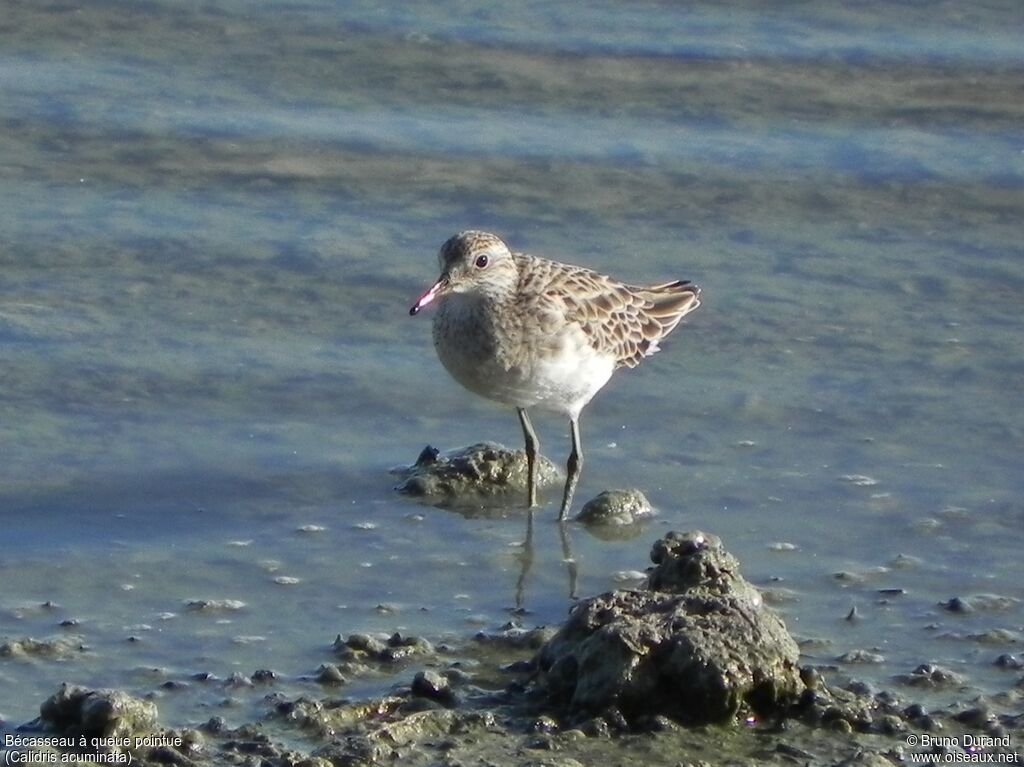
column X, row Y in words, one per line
column 214, row 605
column 57, row 648
column 359, row 648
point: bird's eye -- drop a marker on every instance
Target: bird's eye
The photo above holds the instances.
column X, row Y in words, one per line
column 481, row 262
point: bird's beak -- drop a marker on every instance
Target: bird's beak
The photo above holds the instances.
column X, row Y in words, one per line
column 439, row 288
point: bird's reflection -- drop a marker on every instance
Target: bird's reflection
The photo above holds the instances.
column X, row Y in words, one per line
column 525, row 562
column 475, row 509
column 526, row 558
column 568, row 557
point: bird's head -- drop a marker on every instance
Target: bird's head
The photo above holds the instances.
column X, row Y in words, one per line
column 472, row 262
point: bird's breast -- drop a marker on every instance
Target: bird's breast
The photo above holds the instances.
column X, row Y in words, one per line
column 498, row 357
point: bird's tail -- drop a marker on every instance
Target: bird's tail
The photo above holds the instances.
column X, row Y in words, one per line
column 669, row 303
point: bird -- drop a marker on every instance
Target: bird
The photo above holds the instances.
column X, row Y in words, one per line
column 531, row 332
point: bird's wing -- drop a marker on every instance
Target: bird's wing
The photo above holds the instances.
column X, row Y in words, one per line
column 625, row 321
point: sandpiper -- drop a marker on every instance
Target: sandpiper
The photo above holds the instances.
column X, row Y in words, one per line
column 526, row 331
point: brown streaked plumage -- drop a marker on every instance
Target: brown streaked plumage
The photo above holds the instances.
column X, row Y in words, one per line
column 526, row 331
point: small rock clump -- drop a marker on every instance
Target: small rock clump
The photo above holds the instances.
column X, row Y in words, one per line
column 480, row 470
column 615, row 507
column 696, row 645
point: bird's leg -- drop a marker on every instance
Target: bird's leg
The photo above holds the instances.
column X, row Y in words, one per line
column 573, row 467
column 531, row 456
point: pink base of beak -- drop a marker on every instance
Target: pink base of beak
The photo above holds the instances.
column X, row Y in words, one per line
column 425, row 299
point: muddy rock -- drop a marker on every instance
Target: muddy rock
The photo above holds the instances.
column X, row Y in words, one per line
column 1008, row 661
column 696, row 645
column 432, row 685
column 76, row 711
column 484, row 469
column 861, row 656
column 385, row 730
column 615, row 507
column 330, row 674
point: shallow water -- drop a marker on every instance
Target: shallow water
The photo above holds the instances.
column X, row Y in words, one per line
column 214, row 220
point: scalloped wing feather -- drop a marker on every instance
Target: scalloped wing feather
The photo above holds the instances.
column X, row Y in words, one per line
column 626, row 321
